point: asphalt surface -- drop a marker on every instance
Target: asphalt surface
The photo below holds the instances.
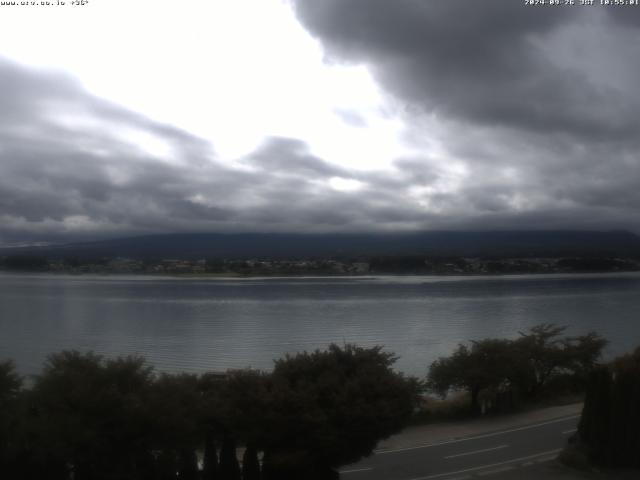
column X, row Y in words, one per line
column 475, row 456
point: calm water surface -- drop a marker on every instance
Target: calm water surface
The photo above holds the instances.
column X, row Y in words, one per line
column 203, row 324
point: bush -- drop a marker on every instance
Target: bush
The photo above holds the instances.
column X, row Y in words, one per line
column 434, row 409
column 574, row 457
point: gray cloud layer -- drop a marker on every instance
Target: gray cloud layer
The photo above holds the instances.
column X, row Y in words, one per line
column 536, row 122
column 496, row 62
column 539, row 105
column 70, row 171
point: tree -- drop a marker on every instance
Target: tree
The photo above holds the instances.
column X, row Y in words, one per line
column 544, row 355
column 524, row 365
column 329, row 408
column 595, row 421
column 485, row 364
column 187, row 464
column 583, row 354
column 234, row 406
column 547, row 354
column 250, row 464
column 210, row 460
column 213, row 418
column 239, row 401
column 10, row 382
column 90, row 414
column 176, row 408
column 229, row 468
column 10, row 389
column 609, row 428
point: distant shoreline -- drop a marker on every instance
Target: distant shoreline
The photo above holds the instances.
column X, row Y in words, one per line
column 372, row 276
column 319, row 266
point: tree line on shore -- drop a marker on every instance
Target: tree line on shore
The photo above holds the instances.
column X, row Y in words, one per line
column 86, row 417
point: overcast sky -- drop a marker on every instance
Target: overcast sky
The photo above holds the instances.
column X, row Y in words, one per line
column 125, row 117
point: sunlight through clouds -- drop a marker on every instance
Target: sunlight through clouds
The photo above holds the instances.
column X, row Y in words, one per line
column 232, row 72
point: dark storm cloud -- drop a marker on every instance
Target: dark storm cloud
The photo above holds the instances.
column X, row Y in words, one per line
column 70, row 169
column 517, row 117
column 537, row 107
column 479, row 61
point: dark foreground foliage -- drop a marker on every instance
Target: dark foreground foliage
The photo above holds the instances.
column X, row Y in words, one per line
column 90, row 418
column 609, row 430
column 508, row 371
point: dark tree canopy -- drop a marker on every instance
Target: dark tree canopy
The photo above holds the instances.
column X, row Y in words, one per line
column 91, row 418
column 93, row 413
column 609, row 428
column 524, row 365
column 10, row 388
column 250, row 464
column 329, row 408
column 485, row 364
column 10, row 381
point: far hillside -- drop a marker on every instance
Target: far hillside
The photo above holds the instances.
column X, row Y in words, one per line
column 498, row 244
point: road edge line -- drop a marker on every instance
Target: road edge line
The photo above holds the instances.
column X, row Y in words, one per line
column 481, row 467
column 475, row 437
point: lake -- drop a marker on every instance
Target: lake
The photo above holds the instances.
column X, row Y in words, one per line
column 187, row 324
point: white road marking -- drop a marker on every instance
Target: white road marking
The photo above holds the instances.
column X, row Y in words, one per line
column 482, row 467
column 486, row 435
column 567, row 432
column 545, row 459
column 506, row 468
column 355, row 470
column 477, row 451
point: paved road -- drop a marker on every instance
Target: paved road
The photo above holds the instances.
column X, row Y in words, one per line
column 468, row 457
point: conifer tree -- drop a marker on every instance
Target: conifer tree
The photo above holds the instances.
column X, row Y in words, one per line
column 188, row 468
column 610, row 423
column 210, row 461
column 229, row 468
column 250, row 464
